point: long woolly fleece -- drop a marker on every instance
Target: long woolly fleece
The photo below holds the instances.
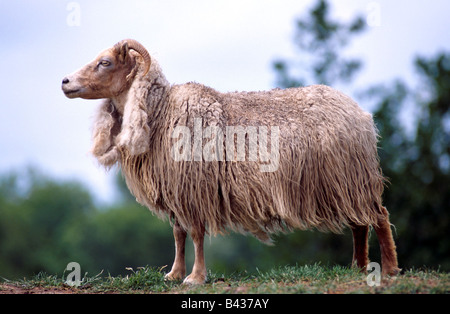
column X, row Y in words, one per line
column 328, row 176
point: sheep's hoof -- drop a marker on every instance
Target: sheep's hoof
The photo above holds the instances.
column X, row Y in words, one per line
column 392, row 272
column 174, row 276
column 195, row 279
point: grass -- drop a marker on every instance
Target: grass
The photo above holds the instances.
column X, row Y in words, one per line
column 309, row 279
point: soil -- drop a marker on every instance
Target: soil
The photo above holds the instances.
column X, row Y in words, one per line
column 14, row 289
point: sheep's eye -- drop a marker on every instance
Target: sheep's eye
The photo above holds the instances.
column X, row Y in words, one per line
column 105, row 63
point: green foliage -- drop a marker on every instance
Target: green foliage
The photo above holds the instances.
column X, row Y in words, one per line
column 418, row 162
column 34, row 215
column 45, row 224
column 120, row 237
column 321, row 41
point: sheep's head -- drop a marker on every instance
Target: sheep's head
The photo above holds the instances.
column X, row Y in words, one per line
column 110, row 74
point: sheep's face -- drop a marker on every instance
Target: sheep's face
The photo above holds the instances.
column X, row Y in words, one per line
column 108, row 76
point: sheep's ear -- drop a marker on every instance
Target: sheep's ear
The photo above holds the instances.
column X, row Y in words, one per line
column 123, row 52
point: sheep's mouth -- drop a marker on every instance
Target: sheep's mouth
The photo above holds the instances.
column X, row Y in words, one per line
column 71, row 93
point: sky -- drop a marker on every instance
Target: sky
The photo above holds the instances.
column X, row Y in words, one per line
column 225, row 44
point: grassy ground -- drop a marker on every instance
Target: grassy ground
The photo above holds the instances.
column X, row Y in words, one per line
column 315, row 279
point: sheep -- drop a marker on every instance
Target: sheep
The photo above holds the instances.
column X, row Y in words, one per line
column 324, row 174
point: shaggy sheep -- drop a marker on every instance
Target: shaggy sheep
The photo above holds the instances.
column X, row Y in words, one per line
column 322, row 170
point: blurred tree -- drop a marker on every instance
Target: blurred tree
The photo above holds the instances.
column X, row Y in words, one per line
column 14, row 223
column 321, row 41
column 45, row 224
column 418, row 164
column 35, row 212
column 125, row 235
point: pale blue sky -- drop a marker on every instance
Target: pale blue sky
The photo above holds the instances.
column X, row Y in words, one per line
column 226, row 44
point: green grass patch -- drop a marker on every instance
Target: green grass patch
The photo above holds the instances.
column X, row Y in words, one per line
column 310, row 279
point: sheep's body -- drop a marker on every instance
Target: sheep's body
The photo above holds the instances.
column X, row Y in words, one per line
column 327, row 174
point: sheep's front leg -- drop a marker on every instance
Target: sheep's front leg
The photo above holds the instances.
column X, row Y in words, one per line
column 179, row 265
column 198, row 275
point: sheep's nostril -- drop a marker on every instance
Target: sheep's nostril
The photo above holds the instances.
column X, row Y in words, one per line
column 65, row 80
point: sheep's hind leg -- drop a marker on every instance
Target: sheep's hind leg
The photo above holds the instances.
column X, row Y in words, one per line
column 198, row 275
column 360, row 246
column 179, row 265
column 387, row 246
